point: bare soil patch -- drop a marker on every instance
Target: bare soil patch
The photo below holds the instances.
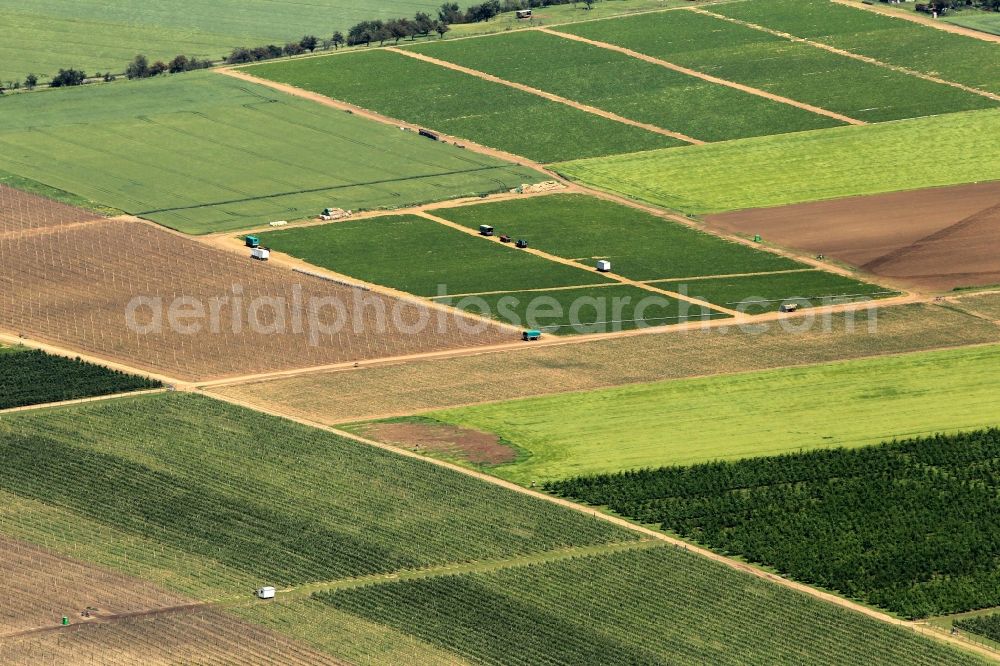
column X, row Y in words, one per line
column 196, row 637
column 935, row 239
column 478, row 448
column 20, row 211
column 41, row 587
column 72, row 288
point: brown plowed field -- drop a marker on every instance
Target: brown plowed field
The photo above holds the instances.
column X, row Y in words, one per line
column 934, row 239
column 40, row 587
column 71, row 287
column 193, row 637
column 20, row 211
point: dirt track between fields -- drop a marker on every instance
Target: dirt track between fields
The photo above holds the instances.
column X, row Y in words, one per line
column 547, row 95
column 849, row 54
column 922, row 19
column 705, row 77
column 933, row 239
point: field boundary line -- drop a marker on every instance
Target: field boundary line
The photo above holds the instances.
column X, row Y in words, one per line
column 67, row 352
column 848, row 54
column 408, row 210
column 464, row 568
column 300, row 266
column 693, row 278
column 579, row 106
column 627, row 524
column 82, row 401
column 913, row 17
column 524, row 291
column 921, row 243
column 569, row 262
column 707, row 77
column 368, row 114
column 51, row 229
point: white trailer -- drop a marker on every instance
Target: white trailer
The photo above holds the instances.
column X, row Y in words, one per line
column 260, row 253
column 266, row 593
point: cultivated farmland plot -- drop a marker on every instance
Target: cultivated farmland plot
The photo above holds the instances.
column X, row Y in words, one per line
column 655, row 605
column 806, row 166
column 43, row 586
column 375, row 392
column 34, row 377
column 632, row 88
column 194, row 494
column 877, row 523
column 802, row 72
column 56, row 293
column 205, row 152
column 957, row 58
column 696, row 420
column 45, row 35
column 462, row 105
column 427, row 258
column 939, row 238
column 201, row 636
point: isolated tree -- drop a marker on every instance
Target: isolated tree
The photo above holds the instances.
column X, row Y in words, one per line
column 441, row 27
column 337, row 39
column 30, row 81
column 309, row 43
column 138, row 68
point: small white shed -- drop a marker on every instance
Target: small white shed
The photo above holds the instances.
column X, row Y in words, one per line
column 604, row 265
column 266, row 593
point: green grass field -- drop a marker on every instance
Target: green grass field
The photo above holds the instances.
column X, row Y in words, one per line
column 639, row 245
column 799, row 71
column 899, row 42
column 423, row 257
column 45, row 35
column 195, row 495
column 597, row 309
column 205, row 152
column 754, row 294
column 653, row 605
column 488, row 113
column 808, row 166
column 729, row 417
column 627, row 86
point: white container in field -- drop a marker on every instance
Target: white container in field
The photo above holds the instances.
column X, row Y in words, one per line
column 260, row 253
column 604, row 266
column 266, row 593
column 278, row 223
